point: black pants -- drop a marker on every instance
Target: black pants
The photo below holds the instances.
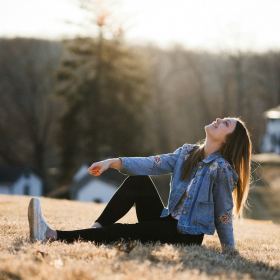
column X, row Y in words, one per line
column 141, row 191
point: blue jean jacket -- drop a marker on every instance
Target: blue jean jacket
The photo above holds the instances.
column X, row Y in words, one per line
column 209, row 203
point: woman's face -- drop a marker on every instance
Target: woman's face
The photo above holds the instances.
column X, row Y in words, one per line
column 218, row 130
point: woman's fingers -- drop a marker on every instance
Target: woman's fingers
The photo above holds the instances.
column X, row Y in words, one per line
column 94, row 169
column 97, row 172
column 97, row 169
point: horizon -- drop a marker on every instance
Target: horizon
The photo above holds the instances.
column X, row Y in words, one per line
column 221, row 26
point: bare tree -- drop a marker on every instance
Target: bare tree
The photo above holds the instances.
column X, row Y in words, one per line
column 193, row 88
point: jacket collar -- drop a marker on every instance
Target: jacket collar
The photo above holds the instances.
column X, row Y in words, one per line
column 212, row 157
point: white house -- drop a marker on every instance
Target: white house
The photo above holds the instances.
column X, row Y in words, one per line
column 271, row 140
column 20, row 181
column 89, row 188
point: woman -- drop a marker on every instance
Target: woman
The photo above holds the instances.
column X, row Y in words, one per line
column 210, row 183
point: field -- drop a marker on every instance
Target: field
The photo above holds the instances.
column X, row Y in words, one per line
column 258, row 244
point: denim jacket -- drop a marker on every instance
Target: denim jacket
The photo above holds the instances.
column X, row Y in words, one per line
column 209, row 202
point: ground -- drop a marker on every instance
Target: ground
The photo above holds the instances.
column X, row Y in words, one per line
column 258, row 244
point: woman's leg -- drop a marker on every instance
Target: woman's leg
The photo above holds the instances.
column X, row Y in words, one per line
column 138, row 190
column 163, row 231
column 141, row 191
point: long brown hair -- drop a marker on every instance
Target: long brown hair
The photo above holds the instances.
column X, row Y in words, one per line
column 237, row 152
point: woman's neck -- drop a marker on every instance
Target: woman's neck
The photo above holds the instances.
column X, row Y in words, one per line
column 210, row 148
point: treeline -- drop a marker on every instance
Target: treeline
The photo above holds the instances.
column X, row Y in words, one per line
column 28, row 110
column 86, row 99
column 190, row 89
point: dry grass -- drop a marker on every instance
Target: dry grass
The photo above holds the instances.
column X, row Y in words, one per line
column 257, row 242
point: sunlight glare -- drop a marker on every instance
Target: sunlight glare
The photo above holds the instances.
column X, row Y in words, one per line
column 211, row 24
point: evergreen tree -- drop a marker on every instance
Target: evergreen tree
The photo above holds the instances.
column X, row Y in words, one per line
column 103, row 84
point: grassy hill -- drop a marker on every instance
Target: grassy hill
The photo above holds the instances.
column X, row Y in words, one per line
column 258, row 243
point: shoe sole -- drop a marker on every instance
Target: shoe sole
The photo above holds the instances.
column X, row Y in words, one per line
column 33, row 217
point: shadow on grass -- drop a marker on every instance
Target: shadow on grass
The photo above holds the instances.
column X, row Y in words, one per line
column 202, row 259
column 194, row 258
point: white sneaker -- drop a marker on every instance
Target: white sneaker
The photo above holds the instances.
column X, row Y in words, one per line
column 37, row 223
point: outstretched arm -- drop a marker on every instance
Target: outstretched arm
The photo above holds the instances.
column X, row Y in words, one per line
column 153, row 165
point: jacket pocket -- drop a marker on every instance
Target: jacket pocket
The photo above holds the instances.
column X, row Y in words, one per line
column 205, row 213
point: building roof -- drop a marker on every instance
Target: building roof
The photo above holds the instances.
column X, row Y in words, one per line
column 273, row 113
column 11, row 174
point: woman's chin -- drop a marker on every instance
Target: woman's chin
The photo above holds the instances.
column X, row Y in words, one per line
column 209, row 132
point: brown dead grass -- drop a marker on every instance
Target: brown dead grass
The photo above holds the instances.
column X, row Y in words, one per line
column 257, row 242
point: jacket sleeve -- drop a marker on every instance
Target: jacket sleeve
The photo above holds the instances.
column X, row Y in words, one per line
column 224, row 185
column 153, row 165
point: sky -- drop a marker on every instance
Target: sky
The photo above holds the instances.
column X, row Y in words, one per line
column 205, row 24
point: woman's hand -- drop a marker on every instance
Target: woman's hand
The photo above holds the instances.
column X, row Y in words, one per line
column 98, row 168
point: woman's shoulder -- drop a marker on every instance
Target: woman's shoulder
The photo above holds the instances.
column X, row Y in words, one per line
column 225, row 167
column 189, row 147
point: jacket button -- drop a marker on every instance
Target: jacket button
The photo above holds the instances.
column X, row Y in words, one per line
column 200, row 167
column 184, row 212
column 189, row 196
